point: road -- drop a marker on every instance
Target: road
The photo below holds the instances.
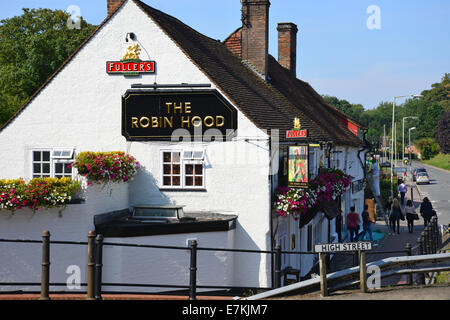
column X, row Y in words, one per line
column 438, row 191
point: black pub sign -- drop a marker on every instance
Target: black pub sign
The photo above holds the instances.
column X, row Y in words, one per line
column 159, row 115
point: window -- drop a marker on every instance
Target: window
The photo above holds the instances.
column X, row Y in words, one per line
column 183, row 169
column 52, row 163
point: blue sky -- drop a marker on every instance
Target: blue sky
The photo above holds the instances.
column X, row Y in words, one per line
column 337, row 53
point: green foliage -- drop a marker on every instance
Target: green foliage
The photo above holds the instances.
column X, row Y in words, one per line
column 428, row 148
column 443, row 133
column 32, row 47
column 441, row 161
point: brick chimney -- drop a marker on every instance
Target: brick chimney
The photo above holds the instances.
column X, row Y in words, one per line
column 287, row 46
column 255, row 33
column 113, row 5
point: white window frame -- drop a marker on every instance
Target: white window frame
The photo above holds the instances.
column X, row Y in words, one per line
column 185, row 160
column 68, row 158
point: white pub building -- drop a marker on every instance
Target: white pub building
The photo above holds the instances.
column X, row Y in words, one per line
column 211, row 123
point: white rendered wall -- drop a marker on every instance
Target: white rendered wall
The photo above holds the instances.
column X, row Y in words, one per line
column 81, row 108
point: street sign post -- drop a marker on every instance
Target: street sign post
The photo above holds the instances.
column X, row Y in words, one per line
column 325, row 248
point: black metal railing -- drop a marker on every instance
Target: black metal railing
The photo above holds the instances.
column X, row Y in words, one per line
column 95, row 245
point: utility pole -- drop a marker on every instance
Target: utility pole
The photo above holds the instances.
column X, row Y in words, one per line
column 384, row 142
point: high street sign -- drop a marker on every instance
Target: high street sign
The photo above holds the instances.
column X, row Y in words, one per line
column 339, row 247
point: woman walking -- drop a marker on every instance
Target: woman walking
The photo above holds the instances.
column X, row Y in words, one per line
column 352, row 224
column 426, row 211
column 396, row 215
column 410, row 213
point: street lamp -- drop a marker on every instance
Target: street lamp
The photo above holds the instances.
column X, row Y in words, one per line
column 394, row 135
column 409, row 148
column 403, row 135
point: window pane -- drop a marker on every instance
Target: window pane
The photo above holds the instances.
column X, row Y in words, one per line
column 167, row 156
column 176, row 157
column 65, row 153
column 190, row 169
column 189, row 181
column 187, row 155
column 198, row 169
column 58, row 168
column 176, row 169
column 198, row 154
column 67, row 169
column 167, row 169
column 167, row 181
column 46, row 155
column 46, row 168
column 36, row 156
column 199, row 181
column 46, row 176
column 176, row 180
column 57, row 153
column 36, row 168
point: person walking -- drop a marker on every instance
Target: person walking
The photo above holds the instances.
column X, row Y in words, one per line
column 352, row 224
column 396, row 215
column 410, row 211
column 388, row 211
column 367, row 223
column 402, row 188
column 426, row 211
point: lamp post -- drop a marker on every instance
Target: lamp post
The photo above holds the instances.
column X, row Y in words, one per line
column 403, row 135
column 409, row 145
column 393, row 135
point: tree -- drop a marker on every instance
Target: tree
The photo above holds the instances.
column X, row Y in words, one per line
column 428, row 148
column 32, row 47
column 443, row 132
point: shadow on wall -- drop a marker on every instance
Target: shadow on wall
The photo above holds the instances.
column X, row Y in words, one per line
column 247, row 266
column 144, row 190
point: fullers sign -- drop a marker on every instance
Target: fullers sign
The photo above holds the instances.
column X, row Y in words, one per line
column 163, row 115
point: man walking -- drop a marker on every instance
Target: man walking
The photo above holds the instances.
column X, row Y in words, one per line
column 367, row 223
column 402, row 188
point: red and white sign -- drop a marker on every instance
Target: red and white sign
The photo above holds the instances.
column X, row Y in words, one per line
column 120, row 67
column 297, row 134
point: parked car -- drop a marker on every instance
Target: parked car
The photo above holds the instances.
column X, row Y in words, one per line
column 417, row 170
column 422, row 177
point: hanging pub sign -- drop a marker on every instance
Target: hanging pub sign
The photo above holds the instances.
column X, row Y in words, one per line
column 298, row 173
column 131, row 64
column 297, row 132
column 169, row 115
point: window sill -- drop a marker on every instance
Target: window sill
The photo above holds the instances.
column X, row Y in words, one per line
column 183, row 189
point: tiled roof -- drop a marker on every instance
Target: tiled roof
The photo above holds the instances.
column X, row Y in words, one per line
column 263, row 103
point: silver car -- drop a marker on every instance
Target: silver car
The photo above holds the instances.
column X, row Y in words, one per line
column 422, row 177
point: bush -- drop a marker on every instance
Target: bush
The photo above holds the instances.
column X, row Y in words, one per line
column 428, row 148
column 39, row 192
column 104, row 167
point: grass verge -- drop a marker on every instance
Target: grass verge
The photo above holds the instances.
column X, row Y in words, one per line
column 441, row 161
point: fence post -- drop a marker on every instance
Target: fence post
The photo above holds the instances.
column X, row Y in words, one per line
column 98, row 266
column 408, row 248
column 45, row 275
column 91, row 266
column 436, row 233
column 193, row 271
column 323, row 274
column 362, row 272
column 430, row 239
column 427, row 241
column 421, row 248
column 277, row 283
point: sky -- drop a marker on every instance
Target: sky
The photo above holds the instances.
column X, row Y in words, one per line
column 358, row 50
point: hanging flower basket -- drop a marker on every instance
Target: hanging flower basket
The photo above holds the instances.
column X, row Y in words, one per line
column 324, row 189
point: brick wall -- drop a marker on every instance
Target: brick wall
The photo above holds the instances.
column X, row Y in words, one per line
column 234, row 42
column 287, row 46
column 113, row 5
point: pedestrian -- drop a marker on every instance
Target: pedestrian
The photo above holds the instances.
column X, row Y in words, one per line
column 352, row 224
column 388, row 211
column 426, row 211
column 367, row 223
column 376, row 176
column 402, row 188
column 410, row 211
column 396, row 215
